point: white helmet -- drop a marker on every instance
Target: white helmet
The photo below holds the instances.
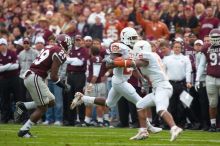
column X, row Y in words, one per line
column 142, row 46
column 129, row 36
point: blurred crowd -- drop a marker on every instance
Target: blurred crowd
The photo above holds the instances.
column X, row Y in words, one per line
column 33, row 24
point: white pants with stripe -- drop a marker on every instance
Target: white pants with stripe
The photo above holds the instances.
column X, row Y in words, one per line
column 38, row 89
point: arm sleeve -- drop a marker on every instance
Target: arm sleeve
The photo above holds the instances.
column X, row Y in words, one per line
column 96, row 69
column 13, row 66
column 188, row 70
column 201, row 67
column 4, row 67
column 74, row 61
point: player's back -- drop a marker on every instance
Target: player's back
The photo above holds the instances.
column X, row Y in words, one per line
column 154, row 70
column 42, row 64
column 121, row 74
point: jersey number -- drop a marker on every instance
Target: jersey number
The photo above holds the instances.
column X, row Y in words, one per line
column 43, row 55
column 214, row 59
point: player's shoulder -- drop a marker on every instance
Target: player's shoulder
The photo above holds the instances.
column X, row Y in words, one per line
column 53, row 48
column 118, row 46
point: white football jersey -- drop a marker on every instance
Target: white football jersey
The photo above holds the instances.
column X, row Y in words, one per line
column 155, row 70
column 122, row 74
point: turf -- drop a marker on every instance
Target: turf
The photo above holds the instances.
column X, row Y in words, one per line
column 81, row 136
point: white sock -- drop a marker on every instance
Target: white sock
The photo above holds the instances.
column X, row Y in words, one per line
column 27, row 125
column 88, row 119
column 148, row 123
column 213, row 121
column 30, row 105
column 173, row 127
column 106, row 117
column 100, row 119
column 88, row 99
column 142, row 129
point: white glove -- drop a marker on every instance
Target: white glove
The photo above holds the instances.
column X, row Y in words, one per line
column 145, row 87
column 197, row 85
column 108, row 60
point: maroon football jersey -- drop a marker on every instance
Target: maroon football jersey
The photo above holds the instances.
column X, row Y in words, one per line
column 212, row 54
column 42, row 64
column 94, row 60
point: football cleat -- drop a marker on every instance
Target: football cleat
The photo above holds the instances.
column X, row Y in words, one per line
column 142, row 134
column 175, row 132
column 25, row 134
column 212, row 128
column 20, row 110
column 77, row 100
column 153, row 129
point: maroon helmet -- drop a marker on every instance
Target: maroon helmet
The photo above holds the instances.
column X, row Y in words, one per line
column 214, row 36
column 64, row 41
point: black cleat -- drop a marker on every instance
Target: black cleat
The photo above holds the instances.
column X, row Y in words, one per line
column 25, row 134
column 20, row 110
column 212, row 128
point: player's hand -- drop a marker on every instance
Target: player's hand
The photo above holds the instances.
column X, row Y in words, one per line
column 108, row 60
column 188, row 85
column 67, row 88
column 197, row 86
column 89, row 87
column 145, row 87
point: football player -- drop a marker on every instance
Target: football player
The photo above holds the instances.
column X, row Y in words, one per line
column 120, row 85
column 151, row 66
column 49, row 59
column 210, row 60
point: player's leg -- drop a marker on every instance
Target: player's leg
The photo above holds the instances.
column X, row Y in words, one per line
column 147, row 101
column 43, row 98
column 212, row 92
column 161, row 100
column 129, row 92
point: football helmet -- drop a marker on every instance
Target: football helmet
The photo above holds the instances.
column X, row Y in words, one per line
column 214, row 36
column 129, row 36
column 64, row 41
column 142, row 46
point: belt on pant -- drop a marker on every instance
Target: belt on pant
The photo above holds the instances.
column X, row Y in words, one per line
column 177, row 82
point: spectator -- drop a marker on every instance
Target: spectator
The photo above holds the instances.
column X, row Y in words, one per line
column 208, row 23
column 9, row 81
column 76, row 69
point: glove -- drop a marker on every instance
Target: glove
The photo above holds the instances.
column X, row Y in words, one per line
column 145, row 87
column 108, row 60
column 67, row 88
column 197, row 85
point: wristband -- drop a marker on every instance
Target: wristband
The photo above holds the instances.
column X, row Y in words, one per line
column 60, row 84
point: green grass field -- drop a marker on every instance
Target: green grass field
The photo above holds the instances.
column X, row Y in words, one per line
column 81, row 136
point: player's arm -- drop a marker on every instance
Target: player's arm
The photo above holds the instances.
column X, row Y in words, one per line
column 54, row 72
column 120, row 62
column 110, row 58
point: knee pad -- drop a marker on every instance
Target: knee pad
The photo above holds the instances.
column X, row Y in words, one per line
column 213, row 102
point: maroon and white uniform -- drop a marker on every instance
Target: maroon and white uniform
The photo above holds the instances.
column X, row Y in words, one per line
column 96, row 68
column 35, row 77
column 210, row 59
